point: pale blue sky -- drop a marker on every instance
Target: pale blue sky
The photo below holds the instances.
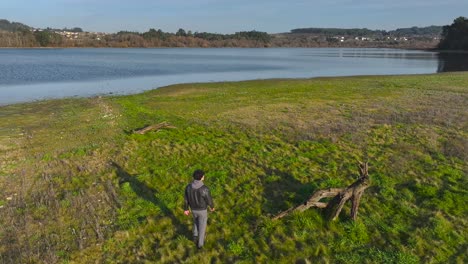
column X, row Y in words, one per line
column 229, row 16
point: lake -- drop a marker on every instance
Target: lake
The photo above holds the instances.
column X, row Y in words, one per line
column 34, row 74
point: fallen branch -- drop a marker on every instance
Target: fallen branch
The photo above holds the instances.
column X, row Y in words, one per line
column 154, row 127
column 340, row 196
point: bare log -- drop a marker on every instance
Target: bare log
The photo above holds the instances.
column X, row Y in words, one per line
column 154, row 127
column 313, row 201
column 340, row 197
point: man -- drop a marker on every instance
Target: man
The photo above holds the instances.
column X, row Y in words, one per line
column 197, row 197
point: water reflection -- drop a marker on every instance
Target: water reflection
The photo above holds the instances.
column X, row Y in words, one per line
column 33, row 74
column 449, row 62
column 376, row 53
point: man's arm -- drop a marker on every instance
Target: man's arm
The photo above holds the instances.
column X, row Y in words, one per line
column 209, row 200
column 186, row 203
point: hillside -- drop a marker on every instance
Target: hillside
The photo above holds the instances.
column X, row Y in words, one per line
column 431, row 31
column 77, row 186
column 13, row 26
column 407, row 38
column 13, row 34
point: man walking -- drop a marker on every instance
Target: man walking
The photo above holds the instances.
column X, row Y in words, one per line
column 198, row 198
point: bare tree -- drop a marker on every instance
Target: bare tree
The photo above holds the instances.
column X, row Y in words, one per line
column 340, row 196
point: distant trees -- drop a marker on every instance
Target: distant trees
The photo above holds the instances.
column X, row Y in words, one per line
column 420, row 31
column 75, row 29
column 181, row 33
column 254, row 35
column 413, row 37
column 183, row 38
column 209, row 36
column 12, row 26
column 13, row 34
column 338, row 31
column 47, row 38
column 155, row 34
column 17, row 39
column 364, row 32
column 43, row 38
column 455, row 36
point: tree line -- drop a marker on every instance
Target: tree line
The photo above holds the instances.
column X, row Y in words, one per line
column 455, row 36
column 13, row 26
column 364, row 32
column 122, row 39
column 182, row 38
column 13, row 34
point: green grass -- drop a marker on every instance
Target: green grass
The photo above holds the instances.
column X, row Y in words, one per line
column 84, row 188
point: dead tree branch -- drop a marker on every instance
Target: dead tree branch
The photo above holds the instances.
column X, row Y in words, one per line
column 340, row 197
column 154, row 127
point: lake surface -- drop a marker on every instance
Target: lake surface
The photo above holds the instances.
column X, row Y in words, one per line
column 33, row 74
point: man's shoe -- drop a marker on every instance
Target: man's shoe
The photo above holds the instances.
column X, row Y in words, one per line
column 195, row 239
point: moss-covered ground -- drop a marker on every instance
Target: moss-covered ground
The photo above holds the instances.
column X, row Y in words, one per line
column 77, row 186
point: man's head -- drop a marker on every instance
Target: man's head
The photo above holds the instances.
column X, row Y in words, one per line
column 198, row 175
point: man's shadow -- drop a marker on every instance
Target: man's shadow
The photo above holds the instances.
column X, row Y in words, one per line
column 148, row 193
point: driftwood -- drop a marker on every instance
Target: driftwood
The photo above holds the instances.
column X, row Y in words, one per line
column 154, row 127
column 340, row 196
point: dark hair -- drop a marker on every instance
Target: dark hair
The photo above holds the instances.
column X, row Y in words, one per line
column 198, row 174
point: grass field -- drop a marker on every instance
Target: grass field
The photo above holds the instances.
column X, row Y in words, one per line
column 78, row 186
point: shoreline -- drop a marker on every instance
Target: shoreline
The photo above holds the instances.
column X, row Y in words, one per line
column 117, row 94
column 104, row 71
column 289, row 47
column 292, row 47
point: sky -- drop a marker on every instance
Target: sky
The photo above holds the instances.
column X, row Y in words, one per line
column 229, row 16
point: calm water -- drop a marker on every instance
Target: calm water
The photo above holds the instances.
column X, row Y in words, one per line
column 32, row 74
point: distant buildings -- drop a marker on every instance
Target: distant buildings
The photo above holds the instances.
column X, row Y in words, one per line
column 73, row 35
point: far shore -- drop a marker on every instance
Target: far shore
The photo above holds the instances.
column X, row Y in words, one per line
column 330, row 47
column 292, row 47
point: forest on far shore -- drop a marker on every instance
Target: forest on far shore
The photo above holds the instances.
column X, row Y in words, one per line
column 14, row 34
